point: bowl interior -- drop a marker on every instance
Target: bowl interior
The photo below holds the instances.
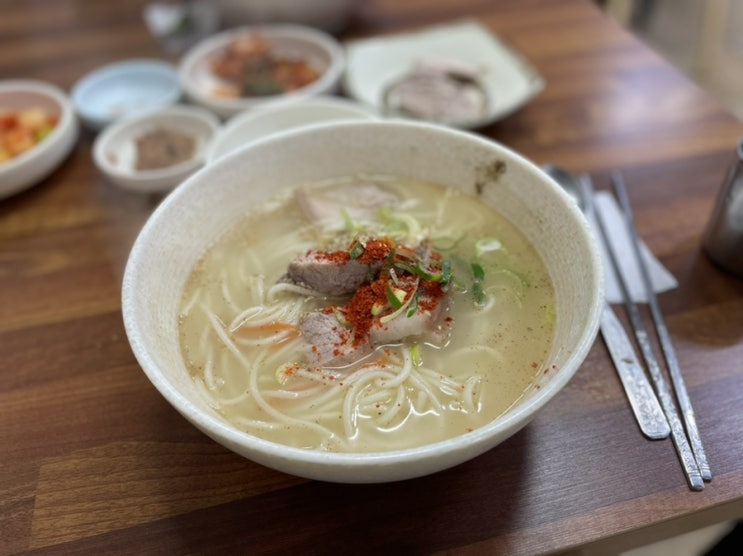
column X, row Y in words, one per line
column 212, row 200
column 19, row 98
column 200, row 82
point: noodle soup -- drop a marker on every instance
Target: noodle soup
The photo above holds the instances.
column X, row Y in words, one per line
column 470, row 301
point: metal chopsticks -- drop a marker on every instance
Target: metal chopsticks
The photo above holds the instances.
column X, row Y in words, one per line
column 686, row 455
column 674, row 370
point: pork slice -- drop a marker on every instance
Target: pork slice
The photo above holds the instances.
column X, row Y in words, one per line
column 430, row 323
column 325, row 206
column 328, row 274
column 329, row 343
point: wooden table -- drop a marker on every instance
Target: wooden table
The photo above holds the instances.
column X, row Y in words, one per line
column 93, row 460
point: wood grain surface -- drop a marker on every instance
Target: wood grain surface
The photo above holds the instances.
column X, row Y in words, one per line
column 94, row 461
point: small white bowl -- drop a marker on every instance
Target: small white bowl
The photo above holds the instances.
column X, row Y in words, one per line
column 123, row 89
column 30, row 167
column 114, row 150
column 260, row 123
column 188, row 221
column 318, row 48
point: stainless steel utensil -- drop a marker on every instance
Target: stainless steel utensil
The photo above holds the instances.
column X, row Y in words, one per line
column 723, row 239
column 642, row 399
column 677, row 380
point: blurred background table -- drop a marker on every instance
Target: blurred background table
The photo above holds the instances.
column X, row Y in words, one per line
column 94, row 460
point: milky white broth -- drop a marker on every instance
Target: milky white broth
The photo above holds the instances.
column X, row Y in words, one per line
column 496, row 350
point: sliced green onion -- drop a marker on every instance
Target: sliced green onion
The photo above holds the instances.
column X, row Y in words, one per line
column 340, row 316
column 357, row 249
column 415, row 355
column 447, row 243
column 477, row 292
column 446, row 274
column 396, row 297
column 477, row 272
column 413, row 304
column 400, row 311
column 479, row 275
column 486, row 245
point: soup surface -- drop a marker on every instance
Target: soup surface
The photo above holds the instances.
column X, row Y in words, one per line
column 367, row 314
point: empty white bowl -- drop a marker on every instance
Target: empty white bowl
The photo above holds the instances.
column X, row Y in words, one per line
column 260, row 123
column 214, row 199
column 114, row 150
column 319, row 49
column 125, row 88
column 30, row 167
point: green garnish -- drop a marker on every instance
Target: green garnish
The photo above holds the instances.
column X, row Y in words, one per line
column 486, row 245
column 395, row 297
column 443, row 275
column 477, row 272
column 413, row 304
column 415, row 355
column 357, row 249
column 478, row 275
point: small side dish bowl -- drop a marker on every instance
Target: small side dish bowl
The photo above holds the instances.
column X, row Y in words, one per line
column 122, row 149
column 292, row 42
column 31, row 166
column 125, row 88
column 187, row 222
column 260, row 123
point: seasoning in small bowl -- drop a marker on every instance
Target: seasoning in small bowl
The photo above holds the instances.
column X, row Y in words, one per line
column 163, row 147
column 154, row 152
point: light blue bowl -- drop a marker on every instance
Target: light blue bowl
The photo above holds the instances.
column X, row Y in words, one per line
column 124, row 89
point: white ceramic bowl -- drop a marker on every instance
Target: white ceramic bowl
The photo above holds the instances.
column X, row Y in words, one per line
column 260, row 123
column 331, row 15
column 214, row 199
column 124, row 89
column 30, row 167
column 114, row 150
column 318, row 48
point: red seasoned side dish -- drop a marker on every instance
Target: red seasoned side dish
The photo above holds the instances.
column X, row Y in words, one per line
column 248, row 68
column 21, row 130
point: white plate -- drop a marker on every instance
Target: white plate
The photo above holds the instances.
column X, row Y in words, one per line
column 508, row 80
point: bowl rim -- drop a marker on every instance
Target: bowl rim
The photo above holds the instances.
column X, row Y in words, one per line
column 480, row 437
column 352, row 108
column 206, row 47
column 184, row 112
column 66, row 127
column 130, row 66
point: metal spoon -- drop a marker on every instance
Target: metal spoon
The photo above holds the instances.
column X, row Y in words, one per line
column 642, row 399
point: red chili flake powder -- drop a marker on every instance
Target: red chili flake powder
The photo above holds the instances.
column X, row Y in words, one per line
column 376, row 250
column 358, row 312
column 330, row 256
